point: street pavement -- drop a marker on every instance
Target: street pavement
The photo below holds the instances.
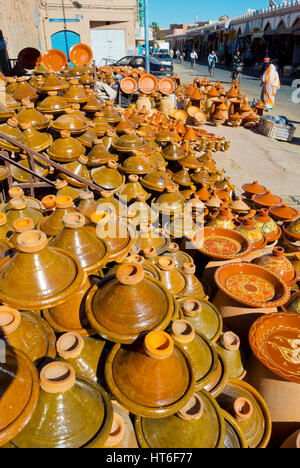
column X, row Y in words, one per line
column 252, row 156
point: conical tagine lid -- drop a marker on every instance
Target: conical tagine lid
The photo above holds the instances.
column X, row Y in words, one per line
column 38, row 275
column 71, row 412
column 127, row 304
column 65, row 148
column 152, row 378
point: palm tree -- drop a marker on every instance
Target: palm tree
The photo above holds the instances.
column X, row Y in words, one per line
column 155, row 29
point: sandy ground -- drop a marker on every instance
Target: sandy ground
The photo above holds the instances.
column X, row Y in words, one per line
column 253, row 156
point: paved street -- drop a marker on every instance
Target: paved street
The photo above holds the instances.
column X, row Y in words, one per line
column 252, row 156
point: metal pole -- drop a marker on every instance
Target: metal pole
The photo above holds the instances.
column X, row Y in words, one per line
column 146, row 25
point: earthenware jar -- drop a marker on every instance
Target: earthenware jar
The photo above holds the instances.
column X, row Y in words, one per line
column 202, row 354
column 228, row 347
column 83, row 405
column 61, row 277
column 204, row 316
column 246, row 405
column 151, row 378
column 269, row 228
column 29, row 333
column 91, row 252
column 10, row 128
column 277, row 263
column 70, row 315
column 108, row 177
column 31, row 115
column 199, row 424
column 53, row 104
column 79, row 168
column 82, row 353
column 20, row 391
column 65, row 148
column 18, row 208
column 53, row 224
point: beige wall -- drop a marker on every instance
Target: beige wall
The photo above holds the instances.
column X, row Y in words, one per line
column 94, row 14
column 17, row 24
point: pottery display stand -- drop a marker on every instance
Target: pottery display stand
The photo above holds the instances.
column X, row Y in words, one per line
column 281, row 396
column 237, row 317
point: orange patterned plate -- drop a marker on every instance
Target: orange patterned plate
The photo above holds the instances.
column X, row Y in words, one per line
column 275, row 341
column 222, row 244
column 55, row 59
column 147, row 83
column 81, row 54
column 166, row 86
column 128, row 85
column 252, row 285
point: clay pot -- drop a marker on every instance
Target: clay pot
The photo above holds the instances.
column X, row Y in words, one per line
column 108, row 177
column 82, row 353
column 128, row 142
column 228, row 347
column 5, row 113
column 124, row 125
column 173, row 152
column 91, row 253
column 53, row 104
column 193, row 286
column 154, row 378
column 277, row 263
column 177, row 255
column 171, row 277
column 292, row 230
column 71, row 122
column 18, row 208
column 105, row 305
column 224, row 219
column 24, row 90
column 65, row 148
column 204, row 316
column 252, row 233
column 239, row 207
column 171, row 202
column 132, row 190
column 293, row 441
column 271, row 231
column 101, row 125
column 93, row 104
column 51, row 82
column 31, row 115
column 20, row 392
column 253, row 188
column 75, row 94
column 110, row 114
column 11, row 129
column 122, row 433
column 156, row 180
column 27, row 332
column 199, row 424
column 202, row 354
column 234, row 436
column 111, row 205
column 138, row 164
column 182, row 178
column 36, row 140
column 83, row 405
column 61, row 274
column 78, row 168
column 266, row 200
column 151, row 238
column 246, row 405
column 53, row 224
column 283, row 212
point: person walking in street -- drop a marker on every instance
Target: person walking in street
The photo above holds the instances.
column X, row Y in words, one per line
column 271, row 85
column 177, row 54
column 194, row 57
column 237, row 66
column 212, row 61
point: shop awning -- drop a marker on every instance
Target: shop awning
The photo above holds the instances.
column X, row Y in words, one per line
column 276, row 32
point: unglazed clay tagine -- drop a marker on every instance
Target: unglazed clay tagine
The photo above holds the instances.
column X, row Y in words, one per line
column 84, row 407
column 252, row 285
column 19, row 385
column 199, row 425
column 154, row 378
column 128, row 304
column 274, row 340
column 221, row 244
column 204, row 316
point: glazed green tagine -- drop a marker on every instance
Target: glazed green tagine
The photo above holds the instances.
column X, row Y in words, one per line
column 18, row 208
column 234, row 436
column 91, row 252
column 66, row 148
column 53, row 224
column 202, row 354
column 199, row 424
column 205, row 317
column 82, row 353
column 249, row 409
column 178, row 255
column 72, row 412
column 27, row 332
column 228, row 346
column 127, row 304
column 152, row 377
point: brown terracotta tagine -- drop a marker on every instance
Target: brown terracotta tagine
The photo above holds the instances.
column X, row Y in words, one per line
column 53, row 223
column 65, row 148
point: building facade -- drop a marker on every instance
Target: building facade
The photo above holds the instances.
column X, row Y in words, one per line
column 108, row 26
column 272, row 31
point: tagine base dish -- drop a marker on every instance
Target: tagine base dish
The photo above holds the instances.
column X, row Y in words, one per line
column 222, row 244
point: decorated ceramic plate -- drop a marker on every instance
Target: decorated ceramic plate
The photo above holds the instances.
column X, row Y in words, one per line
column 222, row 244
column 128, row 85
column 166, row 86
column 55, row 59
column 252, row 285
column 147, row 83
column 275, row 341
column 81, row 54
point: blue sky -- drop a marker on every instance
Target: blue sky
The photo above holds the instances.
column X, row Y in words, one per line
column 166, row 12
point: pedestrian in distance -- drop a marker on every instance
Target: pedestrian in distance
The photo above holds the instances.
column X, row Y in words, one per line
column 194, row 57
column 270, row 86
column 237, row 66
column 212, row 61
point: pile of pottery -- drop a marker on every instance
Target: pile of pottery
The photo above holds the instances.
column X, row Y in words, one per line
column 132, row 314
